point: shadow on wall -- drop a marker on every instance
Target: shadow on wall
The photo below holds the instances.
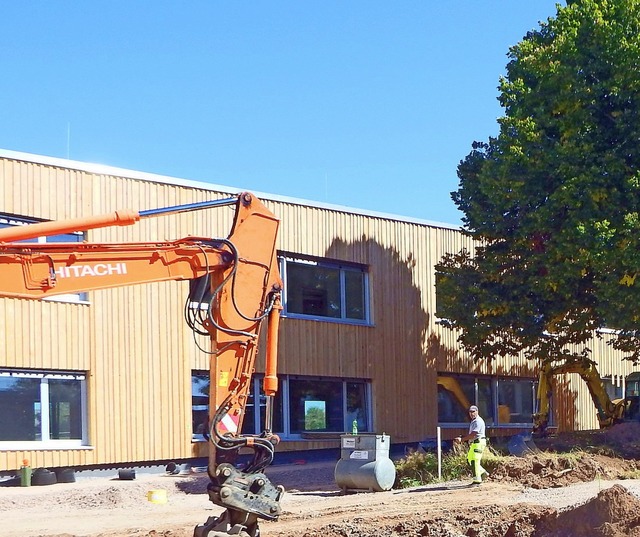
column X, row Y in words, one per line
column 393, row 351
column 446, row 359
column 397, row 304
column 564, row 406
column 403, row 333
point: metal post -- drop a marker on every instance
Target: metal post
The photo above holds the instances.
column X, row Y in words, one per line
column 439, row 448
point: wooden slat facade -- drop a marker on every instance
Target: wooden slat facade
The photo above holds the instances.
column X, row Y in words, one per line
column 138, row 353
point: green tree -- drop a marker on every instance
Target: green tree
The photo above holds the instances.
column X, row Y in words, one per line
column 553, row 200
column 315, row 419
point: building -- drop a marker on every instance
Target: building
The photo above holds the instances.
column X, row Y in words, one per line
column 115, row 377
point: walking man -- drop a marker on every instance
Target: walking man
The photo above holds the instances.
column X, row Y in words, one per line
column 478, row 441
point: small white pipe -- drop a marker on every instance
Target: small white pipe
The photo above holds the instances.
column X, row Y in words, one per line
column 439, row 437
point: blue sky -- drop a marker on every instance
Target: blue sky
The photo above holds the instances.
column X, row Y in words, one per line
column 369, row 104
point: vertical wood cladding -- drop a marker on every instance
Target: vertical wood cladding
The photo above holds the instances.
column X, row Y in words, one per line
column 138, row 353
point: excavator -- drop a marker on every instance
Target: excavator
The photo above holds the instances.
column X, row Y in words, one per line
column 609, row 411
column 243, row 290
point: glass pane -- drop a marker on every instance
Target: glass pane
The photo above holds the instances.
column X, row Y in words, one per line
column 354, row 295
column 278, row 414
column 485, row 400
column 65, row 409
column 455, row 396
column 65, row 237
column 316, row 404
column 356, row 406
column 315, row 415
column 613, row 391
column 248, row 423
column 313, row 290
column 20, row 409
column 200, row 403
column 515, row 401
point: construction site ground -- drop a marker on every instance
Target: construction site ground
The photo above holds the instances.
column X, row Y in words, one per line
column 534, row 495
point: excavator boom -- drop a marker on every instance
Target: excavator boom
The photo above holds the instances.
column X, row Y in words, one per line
column 243, row 290
column 48, row 269
column 608, row 412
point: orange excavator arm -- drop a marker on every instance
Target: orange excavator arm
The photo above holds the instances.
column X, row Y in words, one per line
column 48, row 269
column 244, row 289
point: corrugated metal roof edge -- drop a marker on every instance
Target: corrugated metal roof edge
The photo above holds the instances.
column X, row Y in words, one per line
column 103, row 169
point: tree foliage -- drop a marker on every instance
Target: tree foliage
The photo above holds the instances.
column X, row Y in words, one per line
column 553, row 200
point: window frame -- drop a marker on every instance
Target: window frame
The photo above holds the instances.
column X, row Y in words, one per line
column 364, row 425
column 11, row 220
column 47, row 442
column 287, row 258
column 492, row 419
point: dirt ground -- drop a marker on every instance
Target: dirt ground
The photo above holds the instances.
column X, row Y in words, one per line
column 532, row 496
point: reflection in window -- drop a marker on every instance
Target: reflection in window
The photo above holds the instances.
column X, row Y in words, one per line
column 306, row 394
column 325, row 289
column 315, row 415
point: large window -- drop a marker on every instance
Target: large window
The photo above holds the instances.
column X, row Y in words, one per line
column 302, row 406
column 42, row 407
column 325, row 289
column 12, row 220
column 501, row 401
column 515, row 400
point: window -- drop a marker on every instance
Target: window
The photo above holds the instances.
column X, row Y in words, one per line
column 455, row 396
column 302, row 405
column 356, row 397
column 44, row 407
column 501, row 401
column 614, row 386
column 515, row 400
column 200, row 405
column 325, row 289
column 316, row 405
column 484, row 400
column 254, row 419
column 12, row 220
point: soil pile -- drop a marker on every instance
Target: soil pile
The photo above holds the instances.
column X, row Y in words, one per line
column 621, row 440
column 546, row 470
column 615, row 512
column 493, row 521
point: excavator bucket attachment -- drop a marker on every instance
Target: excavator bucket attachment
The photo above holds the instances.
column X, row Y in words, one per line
column 522, row 444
